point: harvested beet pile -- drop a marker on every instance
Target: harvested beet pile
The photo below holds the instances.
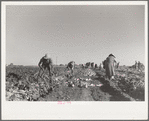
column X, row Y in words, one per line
column 87, row 72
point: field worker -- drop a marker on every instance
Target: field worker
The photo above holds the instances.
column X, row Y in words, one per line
column 92, row 64
column 109, row 66
column 45, row 63
column 100, row 67
column 83, row 66
column 139, row 66
column 136, row 65
column 87, row 64
column 96, row 66
column 71, row 66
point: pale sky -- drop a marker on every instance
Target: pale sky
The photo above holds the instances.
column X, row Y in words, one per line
column 79, row 33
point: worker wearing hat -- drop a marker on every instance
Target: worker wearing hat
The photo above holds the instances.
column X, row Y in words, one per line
column 109, row 66
column 71, row 66
column 45, row 63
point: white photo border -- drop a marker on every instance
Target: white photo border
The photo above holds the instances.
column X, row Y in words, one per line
column 76, row 110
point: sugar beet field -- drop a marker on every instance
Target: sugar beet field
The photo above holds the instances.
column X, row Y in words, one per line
column 87, row 84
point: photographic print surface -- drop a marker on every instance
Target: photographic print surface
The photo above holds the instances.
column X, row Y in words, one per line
column 80, row 33
column 73, row 53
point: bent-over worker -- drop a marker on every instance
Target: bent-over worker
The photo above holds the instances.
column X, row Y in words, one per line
column 46, row 63
column 71, row 66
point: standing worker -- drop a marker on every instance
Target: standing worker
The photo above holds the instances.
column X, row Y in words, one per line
column 96, row 66
column 109, row 66
column 139, row 66
column 100, row 67
column 136, row 65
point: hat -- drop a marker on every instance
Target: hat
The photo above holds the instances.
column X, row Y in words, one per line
column 112, row 55
column 46, row 56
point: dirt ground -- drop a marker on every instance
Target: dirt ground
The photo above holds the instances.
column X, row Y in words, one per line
column 85, row 85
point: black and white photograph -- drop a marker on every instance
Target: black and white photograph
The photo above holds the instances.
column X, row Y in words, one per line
column 75, row 53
